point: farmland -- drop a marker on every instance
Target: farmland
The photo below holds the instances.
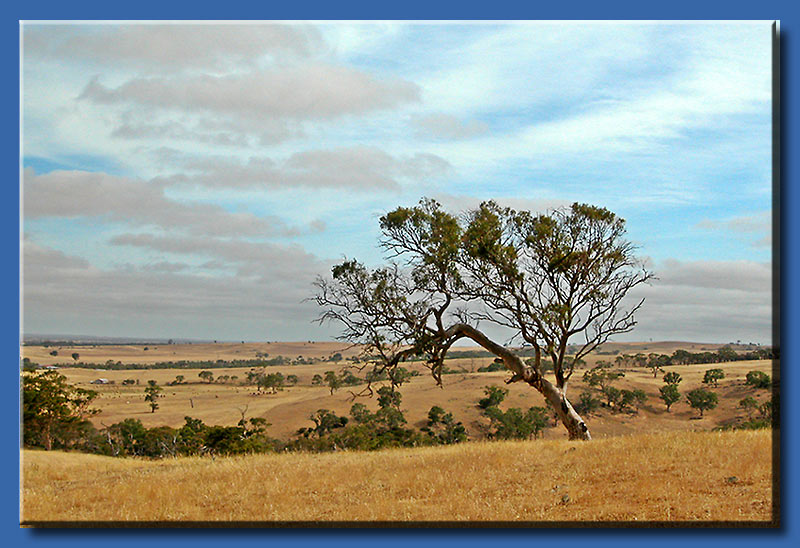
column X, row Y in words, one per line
column 289, row 409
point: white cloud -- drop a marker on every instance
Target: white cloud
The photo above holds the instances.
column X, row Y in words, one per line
column 76, row 194
column 296, row 92
column 355, row 168
column 170, row 46
column 706, row 301
column 448, row 127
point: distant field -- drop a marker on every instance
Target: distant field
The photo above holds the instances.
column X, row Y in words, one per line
column 175, row 352
column 672, row 476
column 289, row 409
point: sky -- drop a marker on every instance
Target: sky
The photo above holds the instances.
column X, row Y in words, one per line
column 192, row 180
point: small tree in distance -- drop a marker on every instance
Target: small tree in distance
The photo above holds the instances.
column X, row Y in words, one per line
column 702, row 400
column 151, row 392
column 669, row 394
column 207, row 376
column 75, row 356
column 713, row 376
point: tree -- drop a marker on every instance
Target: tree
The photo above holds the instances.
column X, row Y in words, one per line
column 206, row 376
column 546, row 278
column 749, row 405
column 712, row 376
column 324, row 422
column 494, row 397
column 601, row 376
column 333, row 381
column 52, row 409
column 672, row 378
column 514, row 424
column 758, row 379
column 151, row 392
column 443, row 428
column 635, row 397
column 75, row 356
column 179, row 379
column 670, row 394
column 292, row 379
column 701, row 399
column 54, row 352
column 316, row 379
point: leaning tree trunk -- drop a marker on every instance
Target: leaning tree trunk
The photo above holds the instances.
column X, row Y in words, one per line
column 554, row 395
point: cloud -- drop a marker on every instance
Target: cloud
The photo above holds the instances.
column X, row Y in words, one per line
column 445, row 126
column 298, row 92
column 170, row 46
column 357, row 167
column 75, row 194
column 264, row 304
column 247, row 258
column 706, row 301
column 758, row 224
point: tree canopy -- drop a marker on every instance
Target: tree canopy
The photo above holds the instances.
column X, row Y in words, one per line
column 550, row 279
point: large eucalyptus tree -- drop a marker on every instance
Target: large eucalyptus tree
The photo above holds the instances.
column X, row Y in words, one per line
column 552, row 280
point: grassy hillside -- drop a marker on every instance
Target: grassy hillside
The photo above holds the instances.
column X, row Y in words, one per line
column 289, row 409
column 673, row 476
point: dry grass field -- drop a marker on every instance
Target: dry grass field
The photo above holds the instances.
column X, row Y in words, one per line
column 289, row 409
column 130, row 353
column 668, row 476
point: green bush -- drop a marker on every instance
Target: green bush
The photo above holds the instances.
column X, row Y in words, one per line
column 758, row 379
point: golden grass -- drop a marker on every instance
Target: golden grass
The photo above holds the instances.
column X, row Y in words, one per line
column 672, row 476
column 289, row 409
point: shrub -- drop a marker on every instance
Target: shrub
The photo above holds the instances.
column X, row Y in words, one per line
column 587, row 403
column 514, row 424
column 494, row 397
column 758, row 379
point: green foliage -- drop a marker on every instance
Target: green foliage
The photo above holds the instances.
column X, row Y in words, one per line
column 54, row 413
column 672, row 378
column 613, row 396
column 152, row 391
column 758, row 379
column 749, row 405
column 388, row 397
column 333, row 381
column 635, row 398
column 587, row 403
column 713, row 376
column 494, row 397
column 443, row 428
column 496, row 365
column 292, row 380
column 324, row 421
column 316, row 380
column 206, row 376
column 702, row 400
column 669, row 394
column 601, row 376
column 75, row 356
column 514, row 424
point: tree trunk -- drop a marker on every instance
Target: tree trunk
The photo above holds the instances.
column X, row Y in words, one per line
column 556, row 396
